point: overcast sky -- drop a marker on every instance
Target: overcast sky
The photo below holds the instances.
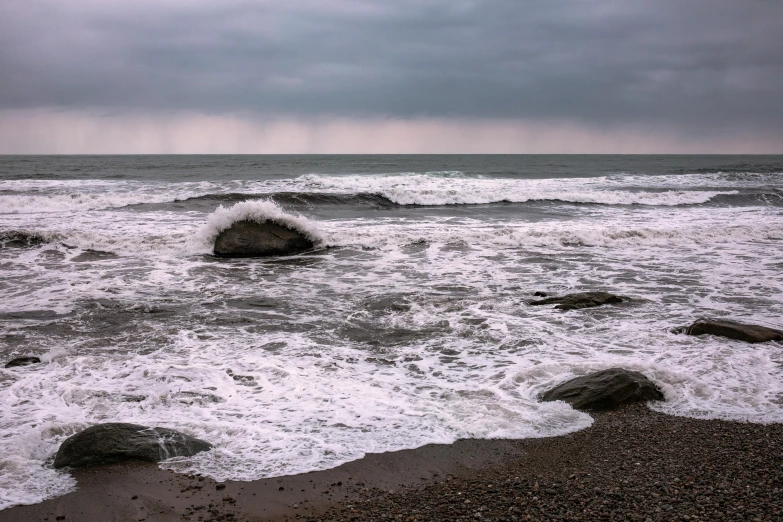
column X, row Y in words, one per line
column 391, row 76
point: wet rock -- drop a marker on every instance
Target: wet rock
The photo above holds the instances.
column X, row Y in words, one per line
column 605, row 390
column 119, row 441
column 251, row 239
column 133, row 398
column 540, row 294
column 580, row 300
column 32, row 315
column 743, row 332
column 19, row 239
column 22, row 361
column 388, row 304
column 93, row 255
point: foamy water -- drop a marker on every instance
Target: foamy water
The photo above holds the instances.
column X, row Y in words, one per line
column 408, row 324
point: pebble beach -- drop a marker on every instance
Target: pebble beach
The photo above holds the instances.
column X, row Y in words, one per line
column 631, row 464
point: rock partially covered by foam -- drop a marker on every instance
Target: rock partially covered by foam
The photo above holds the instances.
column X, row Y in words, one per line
column 605, row 390
column 118, row 441
column 248, row 238
column 580, row 300
column 22, row 361
column 19, row 239
column 742, row 332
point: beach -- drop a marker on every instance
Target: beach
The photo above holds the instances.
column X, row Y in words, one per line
column 632, row 464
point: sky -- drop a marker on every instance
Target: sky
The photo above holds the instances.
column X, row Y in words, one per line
column 395, row 76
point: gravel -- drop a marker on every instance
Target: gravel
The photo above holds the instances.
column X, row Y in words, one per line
column 633, row 464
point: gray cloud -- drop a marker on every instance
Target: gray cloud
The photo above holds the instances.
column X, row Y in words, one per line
column 694, row 64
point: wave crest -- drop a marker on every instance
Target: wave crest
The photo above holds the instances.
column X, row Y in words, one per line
column 428, row 191
column 308, row 199
column 260, row 212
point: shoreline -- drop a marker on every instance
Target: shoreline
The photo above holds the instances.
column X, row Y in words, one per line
column 631, row 464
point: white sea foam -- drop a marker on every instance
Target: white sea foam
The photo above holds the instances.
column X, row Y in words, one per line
column 174, row 234
column 724, row 231
column 37, row 196
column 417, row 189
column 291, row 367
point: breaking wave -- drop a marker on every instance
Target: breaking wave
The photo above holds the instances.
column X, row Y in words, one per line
column 390, row 191
column 429, row 199
column 261, row 212
column 435, row 191
column 308, row 199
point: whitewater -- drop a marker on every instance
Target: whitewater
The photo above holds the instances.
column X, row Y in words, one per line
column 408, row 324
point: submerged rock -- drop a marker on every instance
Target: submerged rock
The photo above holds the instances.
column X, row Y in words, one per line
column 605, row 390
column 119, row 441
column 580, row 300
column 251, row 239
column 22, row 361
column 743, row 332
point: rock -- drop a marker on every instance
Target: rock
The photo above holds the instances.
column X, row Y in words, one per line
column 388, row 304
column 22, row 361
column 540, row 294
column 19, row 239
column 605, row 390
column 580, row 300
column 119, row 441
column 93, row 255
column 251, row 239
column 743, row 332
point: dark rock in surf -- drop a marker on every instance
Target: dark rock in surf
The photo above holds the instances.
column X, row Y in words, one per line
column 742, row 332
column 22, row 361
column 580, row 300
column 388, row 304
column 16, row 239
column 540, row 294
column 605, row 390
column 93, row 255
column 118, row 441
column 251, row 239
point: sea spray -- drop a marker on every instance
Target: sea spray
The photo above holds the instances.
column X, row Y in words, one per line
column 259, row 211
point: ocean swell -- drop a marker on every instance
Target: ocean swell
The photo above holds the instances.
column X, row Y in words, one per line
column 306, row 199
column 434, row 191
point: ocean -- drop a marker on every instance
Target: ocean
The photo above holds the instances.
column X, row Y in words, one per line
column 408, row 324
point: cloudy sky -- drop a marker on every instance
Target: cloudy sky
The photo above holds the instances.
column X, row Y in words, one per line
column 365, row 76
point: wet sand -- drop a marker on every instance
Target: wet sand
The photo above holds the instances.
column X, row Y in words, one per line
column 633, row 464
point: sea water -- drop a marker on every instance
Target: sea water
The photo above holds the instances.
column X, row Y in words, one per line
column 408, row 324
